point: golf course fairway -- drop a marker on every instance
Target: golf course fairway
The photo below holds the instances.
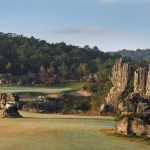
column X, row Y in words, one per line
column 60, row 132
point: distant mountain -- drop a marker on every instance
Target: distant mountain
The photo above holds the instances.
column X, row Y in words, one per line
column 139, row 54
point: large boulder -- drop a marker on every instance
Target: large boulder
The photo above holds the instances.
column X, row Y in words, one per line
column 135, row 115
column 148, row 131
column 133, row 125
column 106, row 109
column 9, row 104
column 123, row 126
column 138, row 127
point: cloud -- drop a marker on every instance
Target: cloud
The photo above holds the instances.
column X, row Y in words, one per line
column 116, row 1
column 92, row 30
column 141, row 0
column 109, row 1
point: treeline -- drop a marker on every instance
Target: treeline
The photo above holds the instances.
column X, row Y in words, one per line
column 137, row 55
column 20, row 55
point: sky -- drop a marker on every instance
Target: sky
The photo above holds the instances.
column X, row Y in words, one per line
column 109, row 24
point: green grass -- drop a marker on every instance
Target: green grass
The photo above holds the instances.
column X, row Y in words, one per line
column 60, row 132
column 59, row 88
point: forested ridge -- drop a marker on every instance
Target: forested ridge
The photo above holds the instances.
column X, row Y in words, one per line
column 139, row 54
column 20, row 55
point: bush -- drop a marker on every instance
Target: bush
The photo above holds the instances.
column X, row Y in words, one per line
column 98, row 98
column 84, row 106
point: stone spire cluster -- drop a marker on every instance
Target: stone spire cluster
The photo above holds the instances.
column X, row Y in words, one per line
column 120, row 77
column 137, row 102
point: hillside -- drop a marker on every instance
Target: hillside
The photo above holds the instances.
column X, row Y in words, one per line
column 139, row 54
column 20, row 55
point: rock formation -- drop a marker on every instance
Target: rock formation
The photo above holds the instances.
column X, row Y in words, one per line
column 140, row 79
column 120, row 76
column 134, row 115
column 9, row 104
column 133, row 126
column 135, row 104
column 142, row 82
column 64, row 104
column 135, row 108
column 148, row 84
column 106, row 109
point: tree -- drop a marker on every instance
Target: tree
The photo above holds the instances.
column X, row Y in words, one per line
column 98, row 63
column 95, row 48
column 64, row 70
column 87, row 47
column 8, row 66
column 82, row 69
column 50, row 70
column 42, row 73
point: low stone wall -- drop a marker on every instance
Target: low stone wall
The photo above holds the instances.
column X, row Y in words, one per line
column 66, row 104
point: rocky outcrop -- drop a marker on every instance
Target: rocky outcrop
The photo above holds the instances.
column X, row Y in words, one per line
column 9, row 104
column 64, row 104
column 135, row 104
column 135, row 108
column 140, row 79
column 39, row 106
column 106, row 109
column 122, row 126
column 138, row 127
column 148, row 84
column 120, row 76
column 142, row 82
column 135, row 116
column 133, row 126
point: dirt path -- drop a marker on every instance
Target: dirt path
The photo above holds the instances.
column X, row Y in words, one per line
column 80, row 93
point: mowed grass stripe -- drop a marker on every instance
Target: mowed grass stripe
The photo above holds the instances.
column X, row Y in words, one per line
column 60, row 88
column 32, row 89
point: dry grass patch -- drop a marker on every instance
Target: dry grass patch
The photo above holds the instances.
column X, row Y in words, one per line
column 132, row 138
